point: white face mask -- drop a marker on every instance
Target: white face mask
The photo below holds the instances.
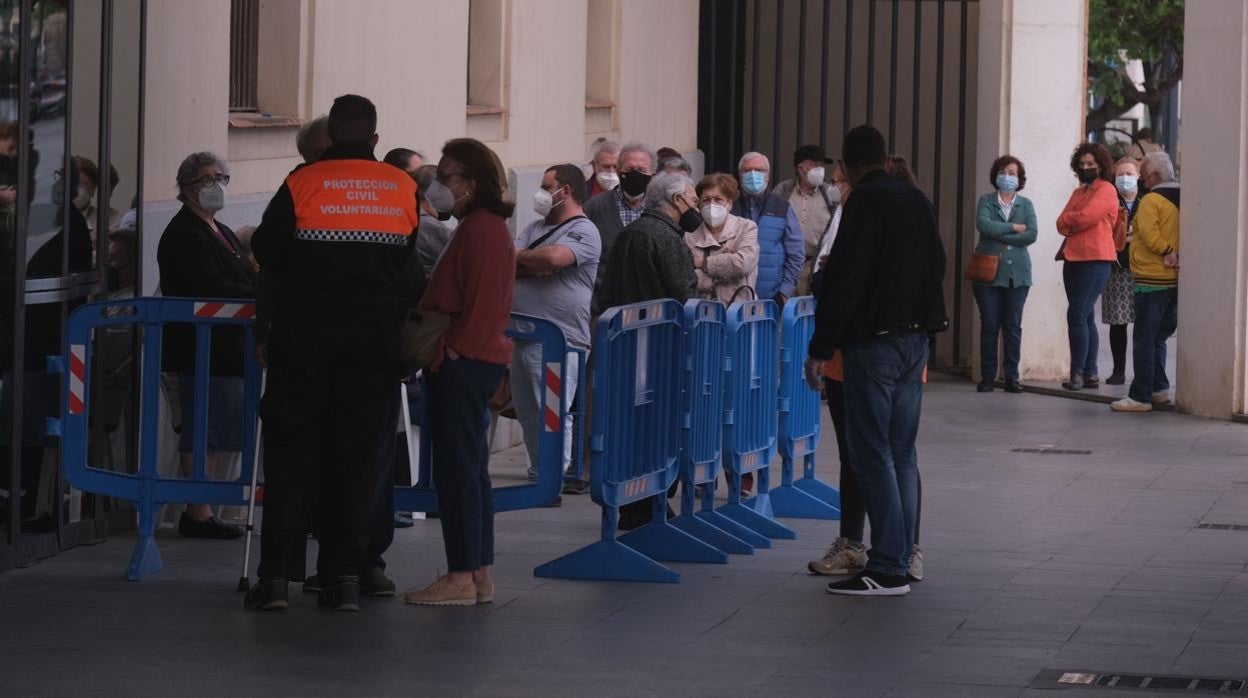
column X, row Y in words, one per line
column 82, row 200
column 212, row 197
column 608, row 180
column 543, row 202
column 714, row 215
column 815, row 176
column 834, row 195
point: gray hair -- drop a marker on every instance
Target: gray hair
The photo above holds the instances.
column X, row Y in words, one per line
column 601, row 146
column 750, row 156
column 311, row 135
column 1160, row 164
column 663, row 186
column 638, row 147
column 190, row 167
column 677, row 164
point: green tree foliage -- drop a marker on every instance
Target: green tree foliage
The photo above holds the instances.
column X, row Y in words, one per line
column 1150, row 31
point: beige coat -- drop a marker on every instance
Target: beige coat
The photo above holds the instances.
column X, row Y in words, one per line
column 728, row 263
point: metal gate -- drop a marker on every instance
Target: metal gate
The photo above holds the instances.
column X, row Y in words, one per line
column 776, row 74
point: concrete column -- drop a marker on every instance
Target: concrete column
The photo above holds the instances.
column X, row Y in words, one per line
column 1214, row 214
column 1031, row 105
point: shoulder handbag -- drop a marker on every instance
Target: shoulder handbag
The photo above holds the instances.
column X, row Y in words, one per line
column 1120, row 229
column 422, row 331
column 983, row 267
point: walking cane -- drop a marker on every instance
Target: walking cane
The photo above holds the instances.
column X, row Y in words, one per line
column 244, row 579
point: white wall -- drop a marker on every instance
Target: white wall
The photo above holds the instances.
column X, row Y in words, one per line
column 1031, row 105
column 1214, row 214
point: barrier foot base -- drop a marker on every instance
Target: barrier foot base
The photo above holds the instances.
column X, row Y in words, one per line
column 711, row 534
column 145, row 561
column 662, row 541
column 761, row 503
column 790, row 502
column 750, row 536
column 819, row 490
column 607, row 560
column 757, row 522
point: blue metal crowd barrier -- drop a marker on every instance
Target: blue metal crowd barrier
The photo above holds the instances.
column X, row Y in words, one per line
column 702, row 424
column 524, row 328
column 145, row 488
column 800, row 420
column 634, row 443
column 750, row 423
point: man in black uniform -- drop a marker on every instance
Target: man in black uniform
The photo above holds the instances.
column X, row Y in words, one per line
column 337, row 234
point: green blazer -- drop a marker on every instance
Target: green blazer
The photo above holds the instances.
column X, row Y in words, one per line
column 997, row 236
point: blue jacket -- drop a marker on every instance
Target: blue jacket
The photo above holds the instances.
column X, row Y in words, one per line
column 781, row 246
column 997, row 236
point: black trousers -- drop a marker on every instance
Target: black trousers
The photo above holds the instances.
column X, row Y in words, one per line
column 329, row 415
column 459, row 392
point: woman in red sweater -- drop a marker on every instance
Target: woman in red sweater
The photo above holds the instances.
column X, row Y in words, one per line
column 472, row 283
column 1087, row 223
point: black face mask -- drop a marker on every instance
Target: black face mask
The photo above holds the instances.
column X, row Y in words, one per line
column 1087, row 176
column 690, row 220
column 634, row 183
column 444, row 216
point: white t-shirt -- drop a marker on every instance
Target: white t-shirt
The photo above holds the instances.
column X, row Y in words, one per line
column 826, row 247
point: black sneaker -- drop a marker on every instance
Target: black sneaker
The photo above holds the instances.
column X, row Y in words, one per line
column 1091, row 381
column 213, row 529
column 1116, row 378
column 985, row 387
column 554, row 503
column 575, row 487
column 403, row 521
column 374, row 582
column 312, row 585
column 1013, row 387
column 267, row 595
column 871, row 584
column 342, row 595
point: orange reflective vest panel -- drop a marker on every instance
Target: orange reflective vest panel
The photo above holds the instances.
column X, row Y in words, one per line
column 353, row 201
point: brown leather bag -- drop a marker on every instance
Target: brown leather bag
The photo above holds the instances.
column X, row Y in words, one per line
column 1120, row 229
column 983, row 267
column 421, row 333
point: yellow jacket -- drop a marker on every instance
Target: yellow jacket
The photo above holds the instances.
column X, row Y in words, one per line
column 1156, row 235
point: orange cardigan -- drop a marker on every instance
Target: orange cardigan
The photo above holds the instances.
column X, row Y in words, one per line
column 1087, row 223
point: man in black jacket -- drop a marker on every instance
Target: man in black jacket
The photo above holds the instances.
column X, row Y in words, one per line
column 880, row 300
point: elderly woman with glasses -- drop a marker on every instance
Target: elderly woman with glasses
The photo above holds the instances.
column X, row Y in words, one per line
column 199, row 257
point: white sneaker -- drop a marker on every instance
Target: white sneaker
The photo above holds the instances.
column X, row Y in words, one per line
column 843, row 557
column 916, row 565
column 1161, row 398
column 1128, row 405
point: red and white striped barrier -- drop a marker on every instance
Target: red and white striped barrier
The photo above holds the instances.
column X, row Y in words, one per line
column 77, row 378
column 235, row 311
column 554, row 397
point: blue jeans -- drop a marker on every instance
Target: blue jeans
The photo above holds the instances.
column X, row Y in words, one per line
column 1000, row 312
column 1156, row 319
column 1084, row 283
column 883, row 398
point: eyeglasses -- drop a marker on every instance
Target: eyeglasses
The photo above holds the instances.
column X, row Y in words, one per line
column 444, row 178
column 209, row 180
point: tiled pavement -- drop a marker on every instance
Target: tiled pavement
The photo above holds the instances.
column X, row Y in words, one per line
column 1083, row 562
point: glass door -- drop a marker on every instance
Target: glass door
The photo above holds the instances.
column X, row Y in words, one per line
column 70, row 120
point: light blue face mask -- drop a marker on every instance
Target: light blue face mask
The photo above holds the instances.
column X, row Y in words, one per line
column 1127, row 183
column 754, row 182
column 1007, row 183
